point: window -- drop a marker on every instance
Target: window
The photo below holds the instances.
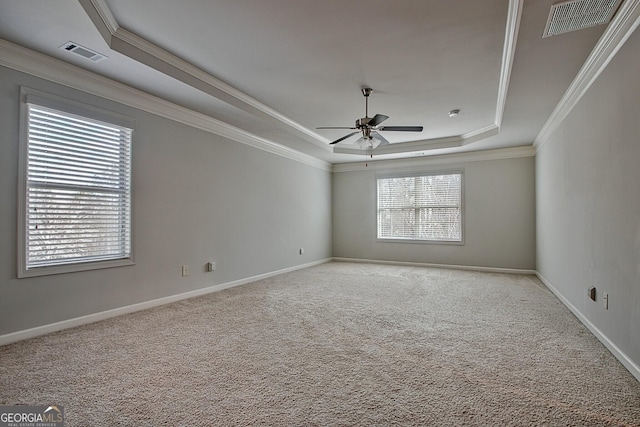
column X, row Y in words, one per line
column 420, row 208
column 77, row 190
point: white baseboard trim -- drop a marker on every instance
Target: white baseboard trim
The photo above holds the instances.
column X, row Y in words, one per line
column 618, row 354
column 449, row 266
column 103, row 315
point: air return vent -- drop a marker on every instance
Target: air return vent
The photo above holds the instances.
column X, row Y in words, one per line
column 577, row 14
column 86, row 53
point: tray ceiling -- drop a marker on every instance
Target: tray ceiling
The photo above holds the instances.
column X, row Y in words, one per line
column 280, row 69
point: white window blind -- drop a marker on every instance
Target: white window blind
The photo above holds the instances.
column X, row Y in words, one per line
column 78, row 189
column 427, row 208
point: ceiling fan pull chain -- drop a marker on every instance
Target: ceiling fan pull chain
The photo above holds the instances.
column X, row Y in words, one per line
column 366, row 163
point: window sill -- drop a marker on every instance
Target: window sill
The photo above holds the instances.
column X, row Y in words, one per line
column 422, row 242
column 72, row 268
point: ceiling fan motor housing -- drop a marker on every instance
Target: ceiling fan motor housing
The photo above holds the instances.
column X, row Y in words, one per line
column 363, row 122
column 363, row 125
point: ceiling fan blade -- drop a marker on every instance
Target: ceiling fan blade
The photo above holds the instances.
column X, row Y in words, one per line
column 383, row 140
column 402, row 128
column 344, row 137
column 377, row 119
column 336, row 127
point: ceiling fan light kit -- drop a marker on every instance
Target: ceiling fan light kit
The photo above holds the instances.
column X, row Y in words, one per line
column 370, row 127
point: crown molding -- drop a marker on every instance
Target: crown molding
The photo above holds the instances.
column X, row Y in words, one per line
column 444, row 159
column 102, row 18
column 624, row 23
column 144, row 51
column 39, row 65
column 139, row 49
column 482, row 133
column 514, row 15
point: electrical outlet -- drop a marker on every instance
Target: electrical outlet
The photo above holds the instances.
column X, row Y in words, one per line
column 301, row 251
column 605, row 301
column 185, row 270
column 211, row 266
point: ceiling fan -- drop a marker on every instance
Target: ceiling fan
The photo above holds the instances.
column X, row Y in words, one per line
column 370, row 127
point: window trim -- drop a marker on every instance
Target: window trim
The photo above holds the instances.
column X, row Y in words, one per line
column 32, row 96
column 459, row 170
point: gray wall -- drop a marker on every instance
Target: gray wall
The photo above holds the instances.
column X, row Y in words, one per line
column 196, row 197
column 499, row 217
column 588, row 203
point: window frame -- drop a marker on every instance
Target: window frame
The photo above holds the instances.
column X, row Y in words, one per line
column 457, row 171
column 42, row 99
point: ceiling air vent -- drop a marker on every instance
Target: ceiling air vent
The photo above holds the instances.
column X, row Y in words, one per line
column 574, row 15
column 86, row 53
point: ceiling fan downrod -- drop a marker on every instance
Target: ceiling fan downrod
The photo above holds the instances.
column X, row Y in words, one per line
column 363, row 123
column 366, row 91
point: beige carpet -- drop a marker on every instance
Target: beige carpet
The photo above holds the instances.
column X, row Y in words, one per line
column 339, row 344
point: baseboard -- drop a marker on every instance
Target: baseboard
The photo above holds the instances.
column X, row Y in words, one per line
column 103, row 315
column 610, row 345
column 431, row 265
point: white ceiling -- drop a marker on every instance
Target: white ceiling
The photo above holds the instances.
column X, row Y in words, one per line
column 281, row 68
